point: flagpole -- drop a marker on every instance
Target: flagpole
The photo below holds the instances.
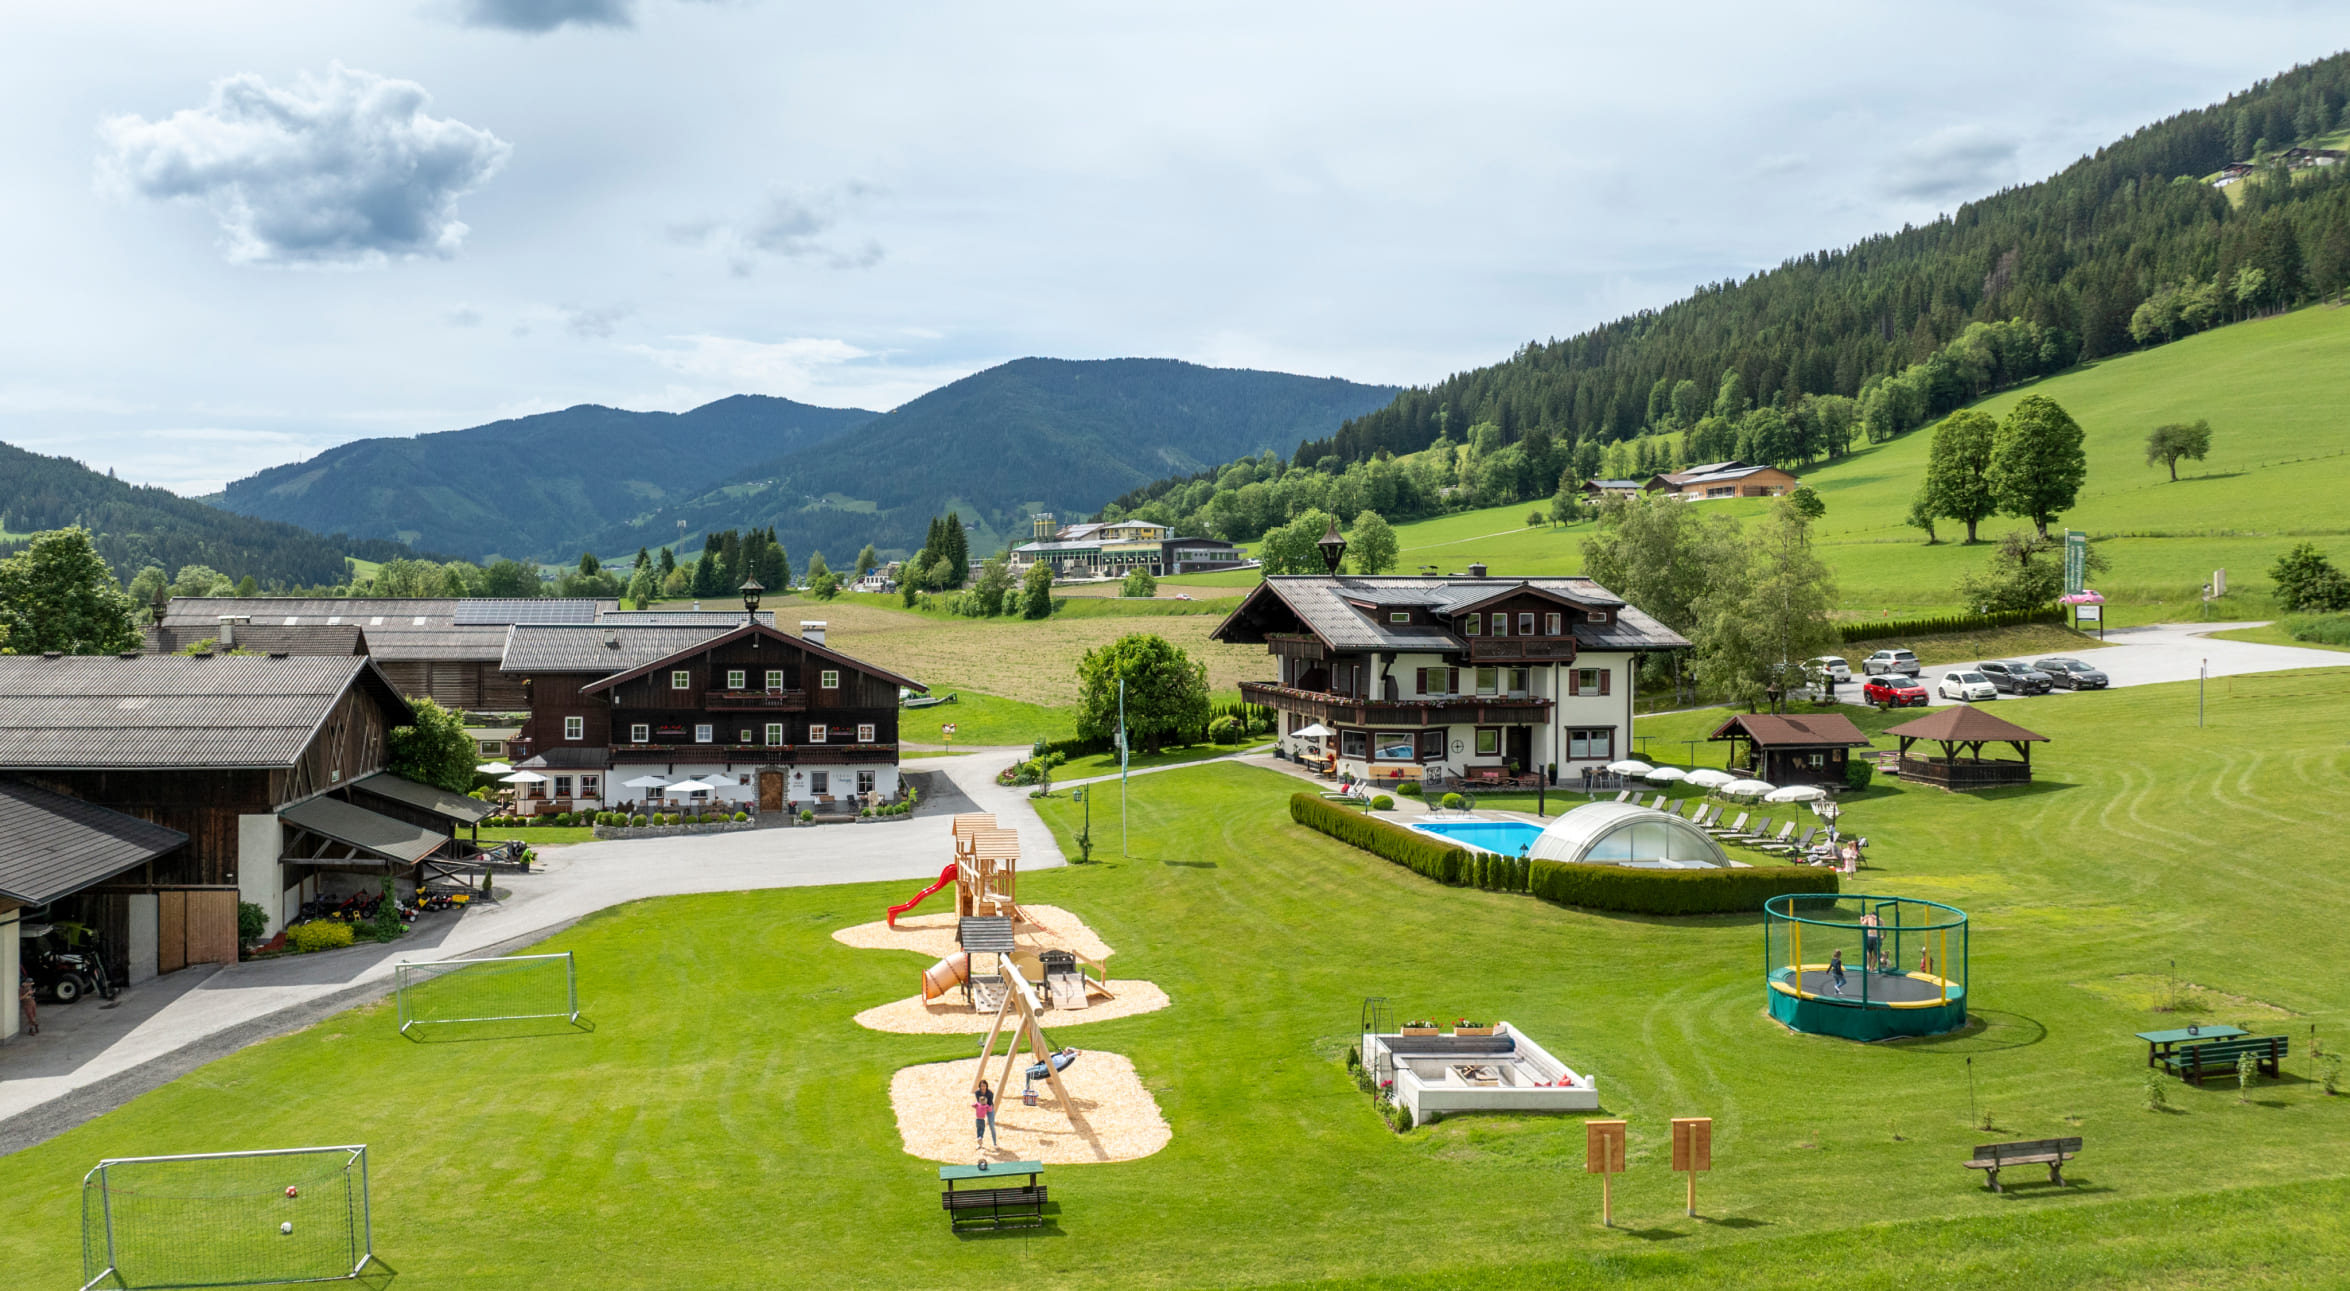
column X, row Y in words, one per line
column 1123, row 754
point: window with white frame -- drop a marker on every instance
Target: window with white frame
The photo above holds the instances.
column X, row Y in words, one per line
column 1489, row 681
column 820, row 782
column 1550, row 624
column 1518, row 681
column 575, row 728
column 704, row 733
column 1471, row 624
column 1399, row 616
column 1395, row 746
column 1489, row 741
column 775, row 679
column 493, row 747
column 865, row 782
column 743, row 736
column 816, row 733
column 1596, row 616
column 1501, row 623
column 1591, row 742
column 774, row 734
column 640, row 734
column 591, row 786
column 864, row 732
column 1526, row 624
column 829, row 679
column 735, row 677
column 562, row 786
column 681, row 680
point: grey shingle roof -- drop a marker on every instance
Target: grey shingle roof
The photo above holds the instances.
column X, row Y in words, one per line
column 681, row 618
column 432, row 798
column 1323, row 603
column 484, row 644
column 600, row 648
column 369, row 830
column 58, row 845
column 322, row 638
column 205, row 612
column 169, row 710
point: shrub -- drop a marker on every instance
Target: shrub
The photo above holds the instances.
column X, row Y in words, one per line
column 318, row 934
column 864, row 813
column 388, row 925
column 1631, row 891
column 1452, row 802
column 1225, row 730
column 637, row 820
column 1896, row 629
column 252, row 921
column 1383, row 803
column 1409, row 788
column 742, row 818
column 2325, row 629
column 1420, row 853
column 563, row 819
column 1858, row 773
column 2329, row 1073
column 807, row 817
column 2157, row 1094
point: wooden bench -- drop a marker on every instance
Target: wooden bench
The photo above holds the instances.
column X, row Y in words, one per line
column 2192, row 1062
column 1991, row 1158
column 1003, row 1205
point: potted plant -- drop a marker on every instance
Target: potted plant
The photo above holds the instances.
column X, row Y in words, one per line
column 1427, row 1027
column 1466, row 1027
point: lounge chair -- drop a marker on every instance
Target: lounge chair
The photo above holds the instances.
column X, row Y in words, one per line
column 1732, row 830
column 1625, row 796
column 1659, row 804
column 1712, row 815
column 1694, row 809
column 1797, row 848
column 1762, row 840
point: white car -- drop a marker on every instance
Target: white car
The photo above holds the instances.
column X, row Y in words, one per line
column 1832, row 667
column 1968, row 686
column 1893, row 660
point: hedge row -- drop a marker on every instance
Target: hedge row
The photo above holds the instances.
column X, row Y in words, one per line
column 1622, row 888
column 1593, row 887
column 1945, row 623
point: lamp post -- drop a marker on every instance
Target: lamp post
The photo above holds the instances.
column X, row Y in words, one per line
column 751, row 589
column 1333, row 547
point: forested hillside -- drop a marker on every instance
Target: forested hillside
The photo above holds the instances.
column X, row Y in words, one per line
column 1054, row 434
column 2129, row 247
column 134, row 526
column 533, row 487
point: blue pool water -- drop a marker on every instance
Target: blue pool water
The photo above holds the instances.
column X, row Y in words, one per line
column 1503, row 837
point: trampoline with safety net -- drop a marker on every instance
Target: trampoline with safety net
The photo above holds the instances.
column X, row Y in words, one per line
column 1865, row 967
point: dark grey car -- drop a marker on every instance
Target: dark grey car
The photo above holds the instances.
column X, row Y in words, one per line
column 2072, row 674
column 2015, row 677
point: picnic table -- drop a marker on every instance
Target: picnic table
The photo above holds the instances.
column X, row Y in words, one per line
column 2161, row 1044
column 1023, row 1202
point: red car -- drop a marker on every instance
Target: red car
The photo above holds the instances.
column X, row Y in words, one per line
column 1893, row 690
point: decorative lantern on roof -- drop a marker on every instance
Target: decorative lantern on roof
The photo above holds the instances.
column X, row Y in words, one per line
column 1333, row 547
column 751, row 589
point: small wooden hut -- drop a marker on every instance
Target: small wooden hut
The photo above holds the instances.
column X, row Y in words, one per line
column 1962, row 730
column 1809, row 748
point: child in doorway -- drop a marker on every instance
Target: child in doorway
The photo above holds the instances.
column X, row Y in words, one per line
column 24, row 1001
column 983, row 1112
column 1836, row 970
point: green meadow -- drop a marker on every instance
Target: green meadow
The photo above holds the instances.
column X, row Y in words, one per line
column 726, row 1124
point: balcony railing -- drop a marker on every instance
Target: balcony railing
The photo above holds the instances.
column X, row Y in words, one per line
column 1420, row 710
column 1489, row 649
column 690, row 751
column 786, row 700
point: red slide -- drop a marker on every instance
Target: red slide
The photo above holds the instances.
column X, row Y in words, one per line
column 945, row 877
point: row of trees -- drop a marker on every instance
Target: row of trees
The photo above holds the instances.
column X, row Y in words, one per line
column 2031, row 464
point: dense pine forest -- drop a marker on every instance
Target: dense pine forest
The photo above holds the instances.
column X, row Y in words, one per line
column 2132, row 246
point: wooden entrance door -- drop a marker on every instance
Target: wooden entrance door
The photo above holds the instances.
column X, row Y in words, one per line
column 195, row 926
column 1518, row 746
column 771, row 791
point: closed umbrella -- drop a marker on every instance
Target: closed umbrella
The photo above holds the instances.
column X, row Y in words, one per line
column 1710, row 778
column 1796, row 793
column 1630, row 766
column 1665, row 775
column 1747, row 788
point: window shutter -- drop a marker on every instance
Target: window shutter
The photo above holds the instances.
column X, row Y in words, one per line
column 1420, row 681
column 1452, row 681
column 1574, row 681
column 1603, row 680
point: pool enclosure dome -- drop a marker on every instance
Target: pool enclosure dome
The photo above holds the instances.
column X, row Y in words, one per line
column 1623, row 833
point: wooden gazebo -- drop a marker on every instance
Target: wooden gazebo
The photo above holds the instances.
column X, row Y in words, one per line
column 1962, row 730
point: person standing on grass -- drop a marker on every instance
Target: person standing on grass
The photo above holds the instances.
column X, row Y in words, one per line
column 32, row 1010
column 983, row 1112
column 1836, row 970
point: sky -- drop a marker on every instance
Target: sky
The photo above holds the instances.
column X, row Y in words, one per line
column 240, row 232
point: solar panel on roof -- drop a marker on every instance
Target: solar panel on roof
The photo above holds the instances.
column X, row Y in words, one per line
column 490, row 613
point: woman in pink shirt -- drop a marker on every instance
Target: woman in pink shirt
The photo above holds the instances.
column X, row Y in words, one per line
column 983, row 1112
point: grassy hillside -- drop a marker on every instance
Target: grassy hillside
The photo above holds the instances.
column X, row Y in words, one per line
column 2273, row 389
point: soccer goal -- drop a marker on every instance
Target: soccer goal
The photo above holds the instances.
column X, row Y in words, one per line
column 507, row 989
column 224, row 1219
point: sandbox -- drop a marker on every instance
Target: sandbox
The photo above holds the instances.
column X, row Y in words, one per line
column 949, row 1015
column 1115, row 1118
column 1044, row 927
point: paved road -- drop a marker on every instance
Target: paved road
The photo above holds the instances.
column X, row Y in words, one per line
column 2164, row 652
column 89, row 1059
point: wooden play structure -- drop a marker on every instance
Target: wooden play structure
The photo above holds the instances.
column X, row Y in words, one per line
column 1019, row 1001
column 987, row 864
column 986, row 872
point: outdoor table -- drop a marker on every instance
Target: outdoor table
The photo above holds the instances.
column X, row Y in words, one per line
column 994, row 1175
column 2159, row 1044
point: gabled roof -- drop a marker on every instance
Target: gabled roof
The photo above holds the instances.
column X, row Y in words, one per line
column 85, row 712
column 680, row 618
column 746, row 630
column 338, row 638
column 1327, row 606
column 432, row 798
column 58, row 845
column 369, row 831
column 1807, row 730
column 1721, row 477
column 1964, row 724
column 600, row 648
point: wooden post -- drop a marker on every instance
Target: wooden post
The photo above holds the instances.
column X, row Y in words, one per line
column 1693, row 1150
column 1603, row 1155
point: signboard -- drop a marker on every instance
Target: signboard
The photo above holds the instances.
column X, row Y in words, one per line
column 946, row 728
column 2076, row 557
column 2219, row 582
column 2088, row 614
column 1693, row 1143
column 1603, row 1155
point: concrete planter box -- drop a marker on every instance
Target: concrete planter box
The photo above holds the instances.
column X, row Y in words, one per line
column 674, row 831
column 1525, row 1074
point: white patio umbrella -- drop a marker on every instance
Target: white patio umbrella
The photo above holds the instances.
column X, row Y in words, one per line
column 1710, row 778
column 1665, row 775
column 687, row 785
column 1630, row 766
column 1315, row 732
column 493, row 768
column 1796, row 793
column 1747, row 788
column 644, row 782
column 523, row 777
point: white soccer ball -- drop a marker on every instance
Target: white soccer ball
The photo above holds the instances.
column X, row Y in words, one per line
column 286, row 1227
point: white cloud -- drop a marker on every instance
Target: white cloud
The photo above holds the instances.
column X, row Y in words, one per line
column 787, row 227
column 546, row 15
column 1953, row 164
column 463, row 316
column 346, row 168
column 593, row 323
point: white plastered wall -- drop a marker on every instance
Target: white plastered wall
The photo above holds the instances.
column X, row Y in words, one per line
column 260, row 875
column 145, row 932
column 9, row 1013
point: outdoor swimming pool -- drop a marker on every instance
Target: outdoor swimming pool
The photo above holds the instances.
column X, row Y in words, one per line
column 1501, row 837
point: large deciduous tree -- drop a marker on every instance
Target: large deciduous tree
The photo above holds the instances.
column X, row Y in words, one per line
column 57, row 594
column 1036, row 592
column 1370, row 544
column 1761, row 619
column 434, row 749
column 1166, row 690
column 1958, row 469
column 1291, row 548
column 2037, row 461
column 2169, row 443
column 2307, row 581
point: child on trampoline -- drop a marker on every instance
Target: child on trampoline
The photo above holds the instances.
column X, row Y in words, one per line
column 1836, row 971
column 1872, row 945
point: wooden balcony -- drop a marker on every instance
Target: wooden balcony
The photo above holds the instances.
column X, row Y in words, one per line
column 769, row 700
column 755, row 754
column 1517, row 649
column 1349, row 710
column 1295, row 645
